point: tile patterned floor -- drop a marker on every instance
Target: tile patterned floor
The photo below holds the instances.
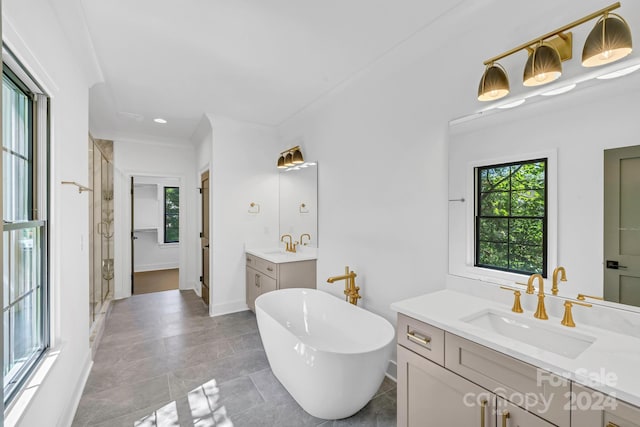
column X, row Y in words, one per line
column 164, row 362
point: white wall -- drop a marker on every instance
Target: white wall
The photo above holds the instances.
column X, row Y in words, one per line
column 381, row 148
column 147, row 158
column 242, row 160
column 151, row 253
column 579, row 126
column 32, row 32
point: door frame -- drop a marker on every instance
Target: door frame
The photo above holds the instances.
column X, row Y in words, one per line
column 206, row 168
column 124, row 223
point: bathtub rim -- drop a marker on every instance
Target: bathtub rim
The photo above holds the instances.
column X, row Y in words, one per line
column 367, row 350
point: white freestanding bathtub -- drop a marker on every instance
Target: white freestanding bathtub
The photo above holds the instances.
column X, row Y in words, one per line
column 331, row 356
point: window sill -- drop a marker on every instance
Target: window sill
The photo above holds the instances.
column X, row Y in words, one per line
column 168, row 245
column 21, row 402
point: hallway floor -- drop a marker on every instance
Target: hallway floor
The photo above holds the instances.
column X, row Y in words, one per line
column 164, row 362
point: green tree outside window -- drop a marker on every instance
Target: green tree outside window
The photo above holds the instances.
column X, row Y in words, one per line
column 171, row 214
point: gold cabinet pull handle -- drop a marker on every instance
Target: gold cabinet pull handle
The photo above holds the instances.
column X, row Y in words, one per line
column 269, row 269
column 483, row 408
column 610, row 424
column 505, row 416
column 417, row 339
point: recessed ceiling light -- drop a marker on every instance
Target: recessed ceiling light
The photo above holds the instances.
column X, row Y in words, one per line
column 159, row 120
column 560, row 90
column 512, row 104
column 620, row 73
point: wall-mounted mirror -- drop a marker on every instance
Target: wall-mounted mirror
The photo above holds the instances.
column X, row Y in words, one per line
column 577, row 131
column 299, row 202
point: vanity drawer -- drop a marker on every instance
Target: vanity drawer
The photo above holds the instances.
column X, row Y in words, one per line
column 424, row 339
column 540, row 392
column 265, row 267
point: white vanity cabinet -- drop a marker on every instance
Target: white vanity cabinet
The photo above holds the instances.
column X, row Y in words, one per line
column 446, row 380
column 263, row 276
column 591, row 408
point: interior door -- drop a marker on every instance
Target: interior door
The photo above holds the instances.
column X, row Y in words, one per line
column 204, row 236
column 622, row 225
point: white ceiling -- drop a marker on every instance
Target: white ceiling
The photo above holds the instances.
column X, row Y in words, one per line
column 254, row 60
column 264, row 60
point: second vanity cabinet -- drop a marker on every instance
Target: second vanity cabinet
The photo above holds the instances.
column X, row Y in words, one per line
column 446, row 380
column 264, row 276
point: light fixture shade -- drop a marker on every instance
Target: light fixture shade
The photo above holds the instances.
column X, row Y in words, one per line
column 288, row 160
column 543, row 66
column 494, row 83
column 607, row 42
column 281, row 163
column 297, row 157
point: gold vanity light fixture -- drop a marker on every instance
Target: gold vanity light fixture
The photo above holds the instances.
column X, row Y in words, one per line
column 609, row 41
column 291, row 157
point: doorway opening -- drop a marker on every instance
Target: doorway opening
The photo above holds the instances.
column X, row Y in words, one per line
column 155, row 234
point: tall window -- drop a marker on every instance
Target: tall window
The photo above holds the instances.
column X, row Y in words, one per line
column 511, row 217
column 171, row 214
column 25, row 303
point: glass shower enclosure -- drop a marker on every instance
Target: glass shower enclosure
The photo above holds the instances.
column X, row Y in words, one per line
column 100, row 227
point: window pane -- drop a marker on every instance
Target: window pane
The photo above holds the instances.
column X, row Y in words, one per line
column 493, row 254
column 526, row 258
column 16, row 111
column 527, row 203
column 16, row 161
column 526, row 231
column 494, row 230
column 494, row 204
column 528, row 176
column 492, row 179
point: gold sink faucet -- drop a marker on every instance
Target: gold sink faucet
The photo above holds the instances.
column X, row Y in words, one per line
column 563, row 278
column 289, row 246
column 350, row 289
column 305, row 234
column 541, row 312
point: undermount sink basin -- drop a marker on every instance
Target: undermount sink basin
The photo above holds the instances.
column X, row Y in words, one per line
column 567, row 343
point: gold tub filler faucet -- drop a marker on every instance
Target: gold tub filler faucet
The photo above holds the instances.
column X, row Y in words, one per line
column 350, row 289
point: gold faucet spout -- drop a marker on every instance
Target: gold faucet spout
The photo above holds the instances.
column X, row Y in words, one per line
column 541, row 312
column 563, row 278
column 308, row 236
column 350, row 289
column 351, row 275
column 289, row 246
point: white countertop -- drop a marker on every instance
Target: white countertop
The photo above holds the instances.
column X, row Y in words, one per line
column 611, row 354
column 279, row 255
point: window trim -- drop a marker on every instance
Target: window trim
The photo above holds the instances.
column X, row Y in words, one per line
column 164, row 211
column 477, row 216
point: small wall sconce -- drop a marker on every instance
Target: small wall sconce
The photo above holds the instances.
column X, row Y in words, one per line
column 254, row 208
column 303, row 208
column 608, row 41
column 290, row 157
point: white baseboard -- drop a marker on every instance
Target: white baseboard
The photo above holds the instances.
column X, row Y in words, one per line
column 154, row 267
column 191, row 286
column 227, row 308
column 392, row 370
column 67, row 417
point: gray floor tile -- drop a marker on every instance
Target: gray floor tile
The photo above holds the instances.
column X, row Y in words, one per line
column 164, row 362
